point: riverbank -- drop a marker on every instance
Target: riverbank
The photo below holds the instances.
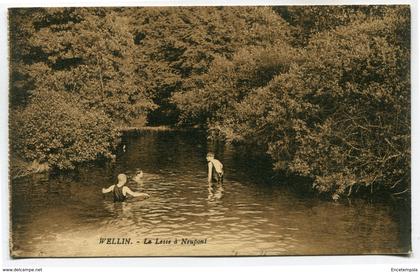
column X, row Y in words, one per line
column 146, row 128
column 155, row 129
column 302, row 186
column 20, row 168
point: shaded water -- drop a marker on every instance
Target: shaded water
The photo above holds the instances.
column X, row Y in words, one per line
column 67, row 215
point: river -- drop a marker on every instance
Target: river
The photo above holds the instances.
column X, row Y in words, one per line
column 67, row 215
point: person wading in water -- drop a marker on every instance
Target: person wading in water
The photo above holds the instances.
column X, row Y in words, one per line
column 120, row 191
column 214, row 177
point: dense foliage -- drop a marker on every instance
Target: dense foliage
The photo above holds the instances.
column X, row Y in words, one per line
column 177, row 46
column 338, row 113
column 84, row 52
column 324, row 90
column 55, row 129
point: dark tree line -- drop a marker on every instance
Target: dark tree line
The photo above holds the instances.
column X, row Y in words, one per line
column 324, row 90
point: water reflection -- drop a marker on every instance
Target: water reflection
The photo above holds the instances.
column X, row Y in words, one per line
column 65, row 215
column 215, row 189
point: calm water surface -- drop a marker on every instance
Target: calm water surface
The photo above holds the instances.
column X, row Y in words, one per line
column 66, row 214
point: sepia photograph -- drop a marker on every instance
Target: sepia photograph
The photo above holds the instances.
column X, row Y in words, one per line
column 209, row 131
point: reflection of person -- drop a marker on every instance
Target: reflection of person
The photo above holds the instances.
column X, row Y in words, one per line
column 120, row 191
column 215, row 176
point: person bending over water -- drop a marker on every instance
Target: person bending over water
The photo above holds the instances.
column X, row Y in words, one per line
column 120, row 191
column 215, row 176
column 215, row 169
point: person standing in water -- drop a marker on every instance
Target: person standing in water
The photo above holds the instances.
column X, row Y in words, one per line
column 120, row 191
column 214, row 176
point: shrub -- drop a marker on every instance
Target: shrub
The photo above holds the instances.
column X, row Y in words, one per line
column 55, row 129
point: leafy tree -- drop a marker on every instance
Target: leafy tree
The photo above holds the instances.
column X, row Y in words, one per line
column 229, row 81
column 73, row 82
column 84, row 51
column 342, row 115
column 307, row 21
column 177, row 46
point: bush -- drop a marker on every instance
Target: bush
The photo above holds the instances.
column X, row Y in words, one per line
column 55, row 129
column 342, row 117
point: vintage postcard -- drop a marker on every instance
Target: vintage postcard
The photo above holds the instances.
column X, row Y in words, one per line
column 209, row 131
